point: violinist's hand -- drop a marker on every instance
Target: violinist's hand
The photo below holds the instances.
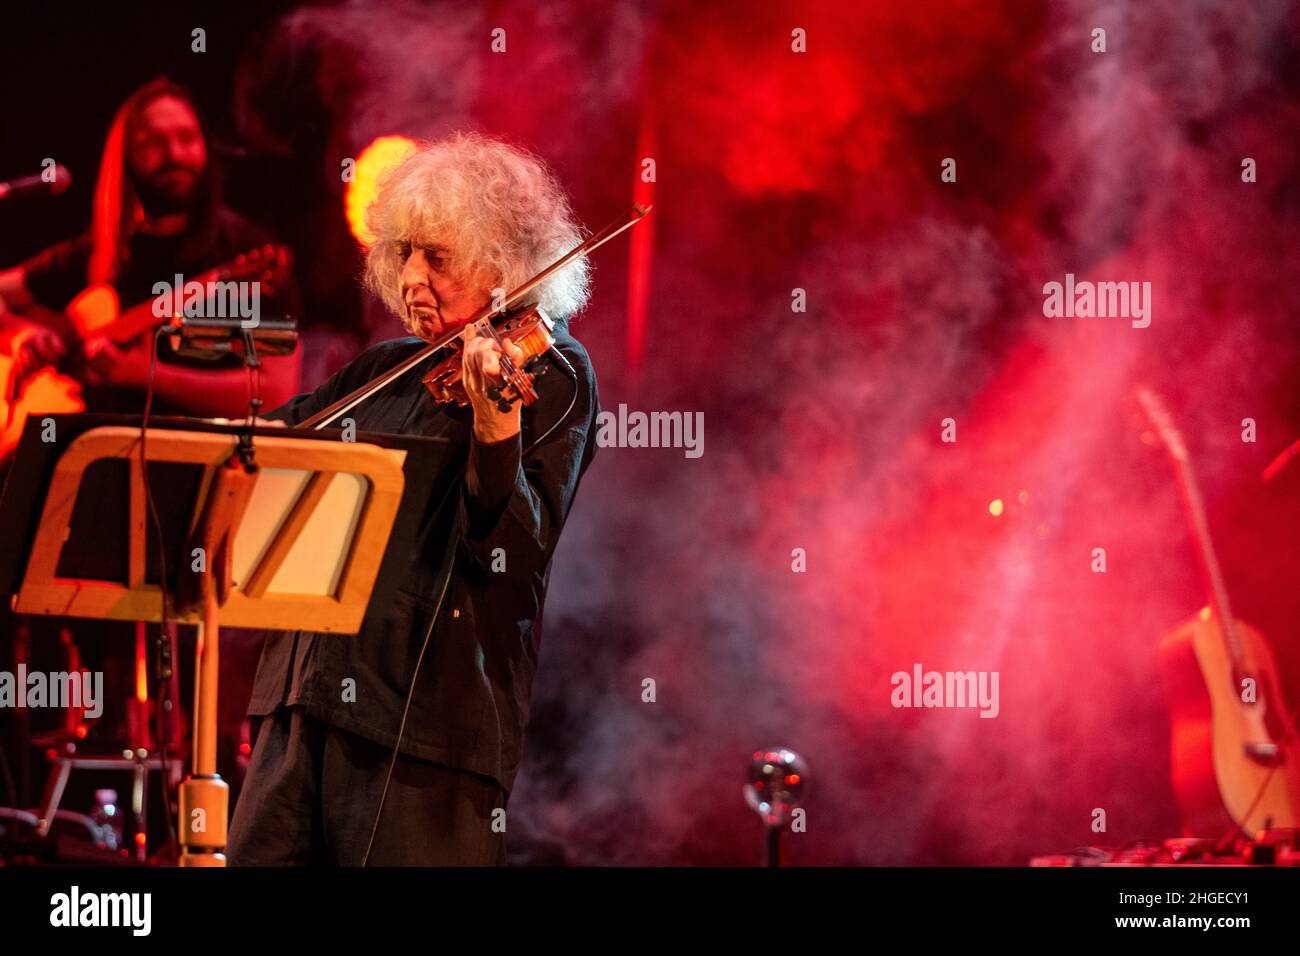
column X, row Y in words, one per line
column 481, row 368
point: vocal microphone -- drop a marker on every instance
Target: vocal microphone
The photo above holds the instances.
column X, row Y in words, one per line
column 36, row 184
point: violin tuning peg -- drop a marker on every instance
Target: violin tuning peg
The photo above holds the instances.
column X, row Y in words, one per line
column 494, row 392
column 503, row 405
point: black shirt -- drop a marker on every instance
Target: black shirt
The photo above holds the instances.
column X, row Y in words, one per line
column 471, row 703
column 56, row 276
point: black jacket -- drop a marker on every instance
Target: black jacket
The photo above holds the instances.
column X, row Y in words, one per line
column 471, row 702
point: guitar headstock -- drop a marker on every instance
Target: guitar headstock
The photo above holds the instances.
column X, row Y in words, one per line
column 268, row 264
column 1163, row 423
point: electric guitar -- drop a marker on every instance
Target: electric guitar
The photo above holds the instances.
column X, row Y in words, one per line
column 95, row 312
column 1233, row 741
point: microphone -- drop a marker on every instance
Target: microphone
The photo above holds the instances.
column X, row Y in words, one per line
column 36, row 184
column 213, row 337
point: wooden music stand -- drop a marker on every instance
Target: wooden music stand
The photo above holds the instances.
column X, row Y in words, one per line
column 295, row 544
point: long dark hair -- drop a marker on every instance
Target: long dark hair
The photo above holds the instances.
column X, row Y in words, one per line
column 117, row 205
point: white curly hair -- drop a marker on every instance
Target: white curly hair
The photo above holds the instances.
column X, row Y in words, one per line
column 496, row 208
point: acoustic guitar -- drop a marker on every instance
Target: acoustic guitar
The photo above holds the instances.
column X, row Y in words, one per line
column 1233, row 740
column 96, row 312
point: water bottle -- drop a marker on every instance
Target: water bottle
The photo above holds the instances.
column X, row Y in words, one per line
column 107, row 819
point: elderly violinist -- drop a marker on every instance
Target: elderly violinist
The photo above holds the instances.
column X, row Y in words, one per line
column 448, row 667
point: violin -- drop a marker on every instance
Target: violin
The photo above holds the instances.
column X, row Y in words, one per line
column 529, row 328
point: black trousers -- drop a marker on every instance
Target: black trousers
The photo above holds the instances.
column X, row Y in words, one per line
column 312, row 791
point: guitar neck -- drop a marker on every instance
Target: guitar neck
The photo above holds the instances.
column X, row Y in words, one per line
column 266, row 266
column 1209, row 559
column 134, row 322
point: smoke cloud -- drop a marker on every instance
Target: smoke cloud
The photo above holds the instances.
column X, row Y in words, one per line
column 820, row 171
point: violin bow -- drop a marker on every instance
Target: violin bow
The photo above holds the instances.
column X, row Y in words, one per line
column 348, row 402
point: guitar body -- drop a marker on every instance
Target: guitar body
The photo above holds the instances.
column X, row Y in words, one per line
column 97, row 311
column 1225, row 753
column 50, row 391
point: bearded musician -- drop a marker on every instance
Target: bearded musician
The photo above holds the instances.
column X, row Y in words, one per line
column 157, row 214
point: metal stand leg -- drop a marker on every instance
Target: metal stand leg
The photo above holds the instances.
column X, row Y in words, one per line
column 204, row 795
column 54, row 787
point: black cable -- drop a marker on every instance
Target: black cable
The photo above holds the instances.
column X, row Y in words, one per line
column 573, row 401
column 401, row 729
column 433, row 621
column 165, row 662
column 1225, row 842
